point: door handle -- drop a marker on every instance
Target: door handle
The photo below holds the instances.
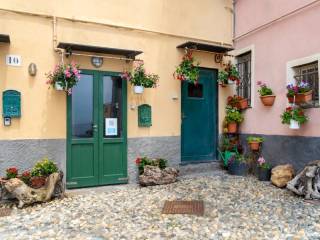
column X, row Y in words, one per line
column 95, row 127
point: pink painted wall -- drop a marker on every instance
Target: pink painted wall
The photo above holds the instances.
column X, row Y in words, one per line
column 295, row 37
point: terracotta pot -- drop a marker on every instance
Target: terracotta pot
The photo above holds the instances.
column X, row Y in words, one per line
column 232, row 127
column 304, row 97
column 254, row 146
column 242, row 104
column 37, row 182
column 290, row 99
column 268, row 100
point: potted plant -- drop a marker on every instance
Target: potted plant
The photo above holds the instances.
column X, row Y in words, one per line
column 264, row 170
column 300, row 93
column 142, row 162
column 238, row 102
column 25, row 177
column 232, row 119
column 237, row 165
column 41, row 171
column 64, row 77
column 266, row 94
column 188, row 69
column 139, row 78
column 227, row 148
column 11, row 172
column 294, row 117
column 254, row 142
column 229, row 75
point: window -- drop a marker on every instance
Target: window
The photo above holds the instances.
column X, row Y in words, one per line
column 244, row 68
column 195, row 90
column 309, row 73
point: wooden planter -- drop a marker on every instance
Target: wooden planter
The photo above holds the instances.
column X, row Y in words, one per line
column 304, row 97
column 232, row 127
column 254, row 146
column 242, row 104
column 268, row 100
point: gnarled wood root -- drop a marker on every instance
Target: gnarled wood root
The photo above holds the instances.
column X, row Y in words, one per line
column 307, row 182
column 28, row 195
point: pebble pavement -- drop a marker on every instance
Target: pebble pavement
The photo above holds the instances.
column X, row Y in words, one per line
column 235, row 208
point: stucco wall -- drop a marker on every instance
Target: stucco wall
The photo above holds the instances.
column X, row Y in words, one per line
column 292, row 38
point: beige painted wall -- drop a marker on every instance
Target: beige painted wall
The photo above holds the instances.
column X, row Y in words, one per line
column 44, row 111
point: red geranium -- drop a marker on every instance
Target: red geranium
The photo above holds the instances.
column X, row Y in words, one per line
column 12, row 172
column 138, row 161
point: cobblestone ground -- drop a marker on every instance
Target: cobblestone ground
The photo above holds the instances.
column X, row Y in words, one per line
column 235, row 208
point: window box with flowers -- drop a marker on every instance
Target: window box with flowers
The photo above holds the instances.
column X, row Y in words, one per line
column 300, row 93
column 229, row 75
column 139, row 78
column 294, row 117
column 188, row 69
column 264, row 170
column 232, row 119
column 238, row 102
column 64, row 77
column 266, row 94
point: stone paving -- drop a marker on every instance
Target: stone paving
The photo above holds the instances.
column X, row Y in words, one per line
column 235, row 208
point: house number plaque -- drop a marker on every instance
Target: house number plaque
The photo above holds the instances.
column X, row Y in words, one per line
column 144, row 116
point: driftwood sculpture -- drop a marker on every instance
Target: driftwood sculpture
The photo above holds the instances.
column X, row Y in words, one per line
column 155, row 176
column 307, row 182
column 27, row 195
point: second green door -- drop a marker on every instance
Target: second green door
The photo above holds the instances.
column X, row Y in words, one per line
column 97, row 136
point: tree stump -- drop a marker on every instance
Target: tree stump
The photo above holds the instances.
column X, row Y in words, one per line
column 155, row 176
column 307, row 182
column 27, row 195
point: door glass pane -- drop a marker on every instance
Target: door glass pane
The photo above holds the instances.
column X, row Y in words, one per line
column 82, row 107
column 112, row 106
column 195, row 90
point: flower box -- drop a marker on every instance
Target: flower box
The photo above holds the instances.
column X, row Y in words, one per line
column 304, row 97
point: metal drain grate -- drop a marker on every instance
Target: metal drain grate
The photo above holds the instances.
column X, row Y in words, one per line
column 5, row 212
column 183, row 207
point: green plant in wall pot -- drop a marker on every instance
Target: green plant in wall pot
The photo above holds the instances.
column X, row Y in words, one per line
column 233, row 118
column 266, row 94
column 139, row 78
column 254, row 142
column 294, row 117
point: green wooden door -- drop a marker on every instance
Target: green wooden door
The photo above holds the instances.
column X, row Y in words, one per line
column 97, row 136
column 199, row 118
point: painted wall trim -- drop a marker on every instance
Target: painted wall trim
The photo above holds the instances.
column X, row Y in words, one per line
column 301, row 61
column 241, row 51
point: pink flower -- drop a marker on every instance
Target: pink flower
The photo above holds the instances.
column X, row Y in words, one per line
column 261, row 160
column 259, row 83
column 67, row 73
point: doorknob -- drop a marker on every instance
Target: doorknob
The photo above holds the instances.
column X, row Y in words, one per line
column 95, row 127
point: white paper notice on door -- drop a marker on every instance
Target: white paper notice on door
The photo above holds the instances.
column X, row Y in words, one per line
column 111, row 127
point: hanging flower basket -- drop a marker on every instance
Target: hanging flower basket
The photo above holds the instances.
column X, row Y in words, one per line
column 139, row 78
column 64, row 77
column 266, row 95
column 188, row 70
column 294, row 124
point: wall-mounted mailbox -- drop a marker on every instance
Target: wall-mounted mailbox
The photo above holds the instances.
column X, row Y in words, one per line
column 11, row 103
column 144, row 116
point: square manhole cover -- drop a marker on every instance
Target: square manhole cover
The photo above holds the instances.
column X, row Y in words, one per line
column 183, row 207
column 5, row 212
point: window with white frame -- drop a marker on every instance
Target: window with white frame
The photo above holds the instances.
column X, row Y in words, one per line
column 309, row 73
column 244, row 68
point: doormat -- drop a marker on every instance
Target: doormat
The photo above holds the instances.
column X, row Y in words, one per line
column 315, row 202
column 183, row 207
column 4, row 212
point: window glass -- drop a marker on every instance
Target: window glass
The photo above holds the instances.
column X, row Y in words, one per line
column 244, row 68
column 195, row 90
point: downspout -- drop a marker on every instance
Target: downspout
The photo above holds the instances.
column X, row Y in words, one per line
column 55, row 38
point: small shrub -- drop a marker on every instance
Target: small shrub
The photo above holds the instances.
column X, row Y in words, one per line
column 12, row 172
column 142, row 162
column 44, row 167
column 25, row 177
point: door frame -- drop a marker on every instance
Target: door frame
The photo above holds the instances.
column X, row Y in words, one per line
column 98, row 90
column 216, row 119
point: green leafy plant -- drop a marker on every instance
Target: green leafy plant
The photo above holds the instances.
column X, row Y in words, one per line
column 229, row 73
column 233, row 115
column 25, row 177
column 11, row 172
column 255, row 139
column 238, row 158
column 294, row 113
column 139, row 77
column 264, row 90
column 188, row 70
column 65, row 75
column 44, row 167
column 144, row 161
